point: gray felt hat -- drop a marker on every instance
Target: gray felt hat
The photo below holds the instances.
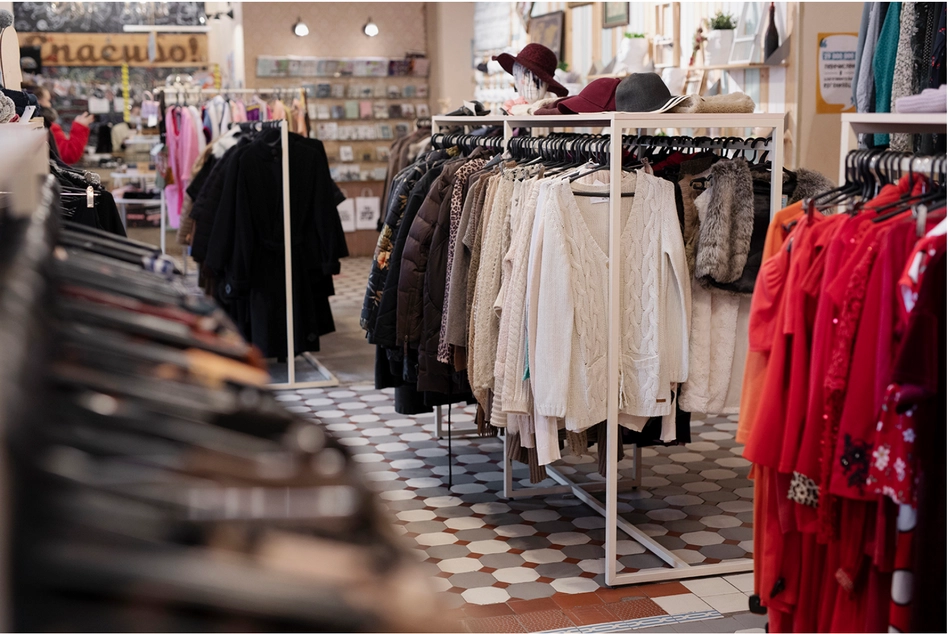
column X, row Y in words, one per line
column 645, row 92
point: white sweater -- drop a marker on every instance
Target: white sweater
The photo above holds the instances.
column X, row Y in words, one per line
column 568, row 364
column 718, row 345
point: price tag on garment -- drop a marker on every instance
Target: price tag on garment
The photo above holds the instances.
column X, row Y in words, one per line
column 347, row 215
column 90, row 197
column 599, row 200
column 27, row 114
column 367, row 212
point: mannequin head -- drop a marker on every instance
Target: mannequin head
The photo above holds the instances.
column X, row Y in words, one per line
column 529, row 86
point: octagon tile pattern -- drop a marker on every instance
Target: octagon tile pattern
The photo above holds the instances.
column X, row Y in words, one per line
column 695, row 500
column 537, row 563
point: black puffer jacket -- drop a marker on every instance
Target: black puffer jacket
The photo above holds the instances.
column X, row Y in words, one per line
column 432, row 374
column 382, row 261
column 411, row 283
column 385, row 333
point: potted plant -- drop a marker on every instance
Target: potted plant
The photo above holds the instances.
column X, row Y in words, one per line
column 720, row 39
column 633, row 54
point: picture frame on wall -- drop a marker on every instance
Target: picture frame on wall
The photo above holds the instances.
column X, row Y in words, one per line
column 547, row 29
column 615, row 14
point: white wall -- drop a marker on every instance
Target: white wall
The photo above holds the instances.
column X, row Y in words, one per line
column 818, row 144
column 225, row 43
column 450, row 31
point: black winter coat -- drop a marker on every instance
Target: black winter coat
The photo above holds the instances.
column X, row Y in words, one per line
column 432, row 374
column 386, row 320
column 247, row 248
column 402, row 187
column 204, row 210
column 414, row 263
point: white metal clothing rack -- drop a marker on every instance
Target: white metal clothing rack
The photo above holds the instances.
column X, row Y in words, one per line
column 330, row 379
column 855, row 123
column 614, row 124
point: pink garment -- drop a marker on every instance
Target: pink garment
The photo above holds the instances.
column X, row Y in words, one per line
column 238, row 114
column 181, row 135
column 277, row 111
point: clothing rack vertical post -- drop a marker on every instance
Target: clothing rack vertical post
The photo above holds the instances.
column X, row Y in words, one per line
column 616, row 123
column 291, row 381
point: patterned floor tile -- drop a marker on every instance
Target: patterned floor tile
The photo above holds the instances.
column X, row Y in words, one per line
column 545, row 620
column 696, row 499
column 590, row 614
column 494, row 624
column 682, row 603
column 635, row 608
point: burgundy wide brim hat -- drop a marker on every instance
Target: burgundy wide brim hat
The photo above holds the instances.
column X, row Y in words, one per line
column 540, row 60
column 598, row 96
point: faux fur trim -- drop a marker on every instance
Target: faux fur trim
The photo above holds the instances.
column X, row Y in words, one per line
column 734, row 102
column 810, row 183
column 725, row 232
column 225, row 142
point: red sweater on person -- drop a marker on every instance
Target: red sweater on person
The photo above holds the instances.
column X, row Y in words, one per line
column 71, row 147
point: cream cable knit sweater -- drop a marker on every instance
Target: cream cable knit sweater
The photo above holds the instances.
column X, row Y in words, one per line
column 569, row 372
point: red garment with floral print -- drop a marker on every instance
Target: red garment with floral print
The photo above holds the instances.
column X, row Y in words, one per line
column 892, row 468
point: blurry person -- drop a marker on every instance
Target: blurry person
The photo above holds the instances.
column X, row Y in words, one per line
column 70, row 147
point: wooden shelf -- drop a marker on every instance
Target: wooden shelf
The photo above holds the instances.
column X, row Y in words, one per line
column 714, row 67
column 737, row 66
column 386, row 98
column 364, row 121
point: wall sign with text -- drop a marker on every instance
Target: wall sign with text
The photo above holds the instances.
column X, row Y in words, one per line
column 115, row 49
column 836, row 69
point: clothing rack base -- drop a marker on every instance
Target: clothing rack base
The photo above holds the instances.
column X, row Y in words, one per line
column 313, row 369
column 454, row 433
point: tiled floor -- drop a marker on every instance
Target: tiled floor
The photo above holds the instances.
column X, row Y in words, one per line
column 536, row 564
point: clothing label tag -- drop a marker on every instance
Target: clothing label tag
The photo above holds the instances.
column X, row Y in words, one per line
column 27, row 114
column 783, row 201
column 90, row 197
column 598, row 200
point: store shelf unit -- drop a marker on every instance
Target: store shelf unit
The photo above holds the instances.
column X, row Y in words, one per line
column 855, row 123
column 615, row 124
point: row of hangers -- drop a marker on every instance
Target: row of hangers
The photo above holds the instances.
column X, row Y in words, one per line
column 563, row 151
column 869, row 170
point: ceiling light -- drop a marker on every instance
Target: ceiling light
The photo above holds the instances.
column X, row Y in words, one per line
column 371, row 28
column 300, row 29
